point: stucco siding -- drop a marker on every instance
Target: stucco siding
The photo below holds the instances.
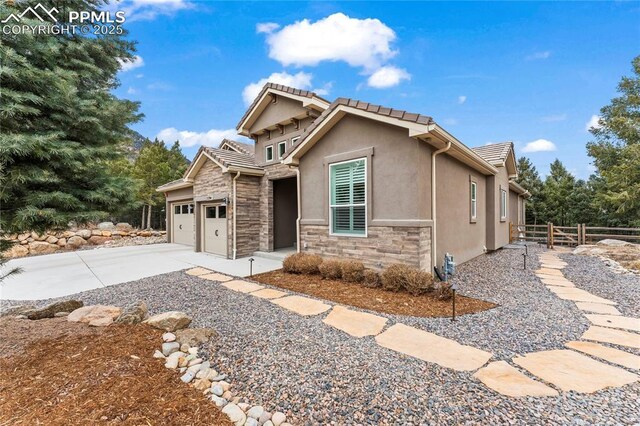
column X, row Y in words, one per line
column 290, row 131
column 514, row 202
column 457, row 233
column 275, row 113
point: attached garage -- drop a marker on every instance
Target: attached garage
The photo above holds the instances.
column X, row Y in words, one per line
column 183, row 224
column 214, row 229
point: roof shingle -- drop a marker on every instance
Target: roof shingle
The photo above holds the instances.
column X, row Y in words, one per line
column 495, row 153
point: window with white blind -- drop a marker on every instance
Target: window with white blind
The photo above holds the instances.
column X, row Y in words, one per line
column 474, row 201
column 503, row 205
column 348, row 198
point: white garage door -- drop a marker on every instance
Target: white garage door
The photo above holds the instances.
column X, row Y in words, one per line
column 182, row 224
column 215, row 229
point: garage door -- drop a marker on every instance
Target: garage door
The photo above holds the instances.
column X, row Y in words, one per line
column 215, row 229
column 182, row 224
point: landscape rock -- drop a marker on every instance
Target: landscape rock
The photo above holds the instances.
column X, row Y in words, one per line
column 123, row 226
column 51, row 239
column 244, row 406
column 95, row 315
column 187, row 377
column 106, row 233
column 41, row 247
column 50, row 310
column 61, row 314
column 16, row 250
column 195, row 336
column 168, row 337
column 173, row 360
column 18, row 310
column 170, row 321
column 23, row 237
column 251, row 422
column 158, row 354
column 97, row 239
column 84, row 233
column 217, row 390
column 76, row 241
column 235, row 414
column 133, row 314
column 169, row 348
column 220, row 402
column 278, row 418
column 264, row 417
column 202, row 384
column 185, row 348
column 609, row 242
column 62, row 242
column 106, row 226
column 255, row 412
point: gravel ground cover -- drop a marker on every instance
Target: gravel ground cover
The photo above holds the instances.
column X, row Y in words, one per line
column 317, row 374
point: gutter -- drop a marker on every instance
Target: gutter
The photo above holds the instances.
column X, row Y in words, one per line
column 235, row 214
column 299, row 210
column 433, row 202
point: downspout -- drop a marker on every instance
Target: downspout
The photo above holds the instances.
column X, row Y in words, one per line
column 433, row 202
column 235, row 214
column 299, row 210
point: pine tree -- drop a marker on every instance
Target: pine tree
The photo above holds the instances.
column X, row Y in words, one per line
column 529, row 178
column 616, row 152
column 61, row 125
column 557, row 190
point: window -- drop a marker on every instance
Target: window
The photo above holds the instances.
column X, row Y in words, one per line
column 503, row 204
column 347, row 205
column 176, row 209
column 295, row 140
column 282, row 147
column 474, row 201
column 222, row 212
column 185, row 209
column 210, row 212
column 190, row 208
column 268, row 155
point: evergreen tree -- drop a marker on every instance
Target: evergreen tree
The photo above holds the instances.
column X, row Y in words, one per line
column 529, row 178
column 61, row 125
column 616, row 152
column 557, row 190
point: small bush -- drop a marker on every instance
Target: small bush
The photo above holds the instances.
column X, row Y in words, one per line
column 443, row 291
column 418, row 282
column 393, row 278
column 331, row 269
column 302, row 263
column 371, row 278
column 352, row 271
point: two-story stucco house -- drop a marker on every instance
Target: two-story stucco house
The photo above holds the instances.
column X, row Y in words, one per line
column 345, row 179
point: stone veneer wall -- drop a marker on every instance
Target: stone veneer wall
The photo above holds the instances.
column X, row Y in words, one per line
column 273, row 172
column 248, row 220
column 383, row 246
column 210, row 179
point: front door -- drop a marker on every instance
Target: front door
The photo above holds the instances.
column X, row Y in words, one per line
column 215, row 229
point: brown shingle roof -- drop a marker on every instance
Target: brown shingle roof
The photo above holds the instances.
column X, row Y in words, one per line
column 239, row 146
column 365, row 106
column 495, row 153
column 281, row 88
column 170, row 184
column 230, row 158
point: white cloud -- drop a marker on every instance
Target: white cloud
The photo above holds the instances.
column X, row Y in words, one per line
column 187, row 138
column 538, row 55
column 387, row 76
column 324, row 90
column 462, row 99
column 128, row 65
column 358, row 42
column 539, row 145
column 593, row 122
column 301, row 80
column 554, row 118
column 139, row 75
column 266, row 27
column 132, row 91
column 139, row 10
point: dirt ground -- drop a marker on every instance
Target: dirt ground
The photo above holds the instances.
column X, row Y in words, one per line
column 58, row 373
column 374, row 299
column 627, row 256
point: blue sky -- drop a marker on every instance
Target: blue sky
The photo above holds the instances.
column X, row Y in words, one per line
column 533, row 73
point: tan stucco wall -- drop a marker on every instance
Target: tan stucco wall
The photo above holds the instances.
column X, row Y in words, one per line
column 456, row 234
column 497, row 229
column 513, row 207
column 290, row 132
column 399, row 171
column 282, row 110
column 182, row 194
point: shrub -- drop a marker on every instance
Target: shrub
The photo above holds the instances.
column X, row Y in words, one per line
column 443, row 291
column 393, row 278
column 331, row 269
column 418, row 282
column 371, row 278
column 352, row 271
column 302, row 263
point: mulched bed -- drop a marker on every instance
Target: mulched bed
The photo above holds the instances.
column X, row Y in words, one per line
column 58, row 373
column 374, row 299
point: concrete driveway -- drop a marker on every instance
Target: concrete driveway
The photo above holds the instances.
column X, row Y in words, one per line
column 62, row 274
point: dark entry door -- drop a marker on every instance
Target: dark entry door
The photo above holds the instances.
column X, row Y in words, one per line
column 285, row 212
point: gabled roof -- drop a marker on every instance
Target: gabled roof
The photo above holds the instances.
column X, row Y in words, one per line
column 244, row 148
column 418, row 126
column 173, row 185
column 499, row 154
column 227, row 160
column 308, row 99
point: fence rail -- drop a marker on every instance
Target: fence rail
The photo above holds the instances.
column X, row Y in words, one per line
column 552, row 235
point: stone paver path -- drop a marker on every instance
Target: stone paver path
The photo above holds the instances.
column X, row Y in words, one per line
column 614, row 321
column 242, row 286
column 571, row 371
column 598, row 308
column 302, row 305
column 578, row 295
column 197, row 271
column 432, row 348
column 614, row 356
column 558, row 282
column 610, row 335
column 216, row 277
column 269, row 293
column 507, row 380
column 355, row 323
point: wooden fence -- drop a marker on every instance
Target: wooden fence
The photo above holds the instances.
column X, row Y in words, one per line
column 552, row 235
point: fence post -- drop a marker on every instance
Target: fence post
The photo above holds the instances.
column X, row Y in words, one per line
column 510, row 232
column 551, row 233
column 584, row 233
column 579, row 234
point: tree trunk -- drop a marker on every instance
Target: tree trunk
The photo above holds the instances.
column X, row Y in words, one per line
column 149, row 216
column 142, row 218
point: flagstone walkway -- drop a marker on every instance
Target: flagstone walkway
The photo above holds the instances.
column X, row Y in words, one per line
column 565, row 369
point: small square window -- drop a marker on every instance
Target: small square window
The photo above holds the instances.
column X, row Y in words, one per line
column 295, row 140
column 210, row 212
column 190, row 208
column 185, row 209
column 282, row 147
column 269, row 153
column 222, row 212
column 176, row 209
